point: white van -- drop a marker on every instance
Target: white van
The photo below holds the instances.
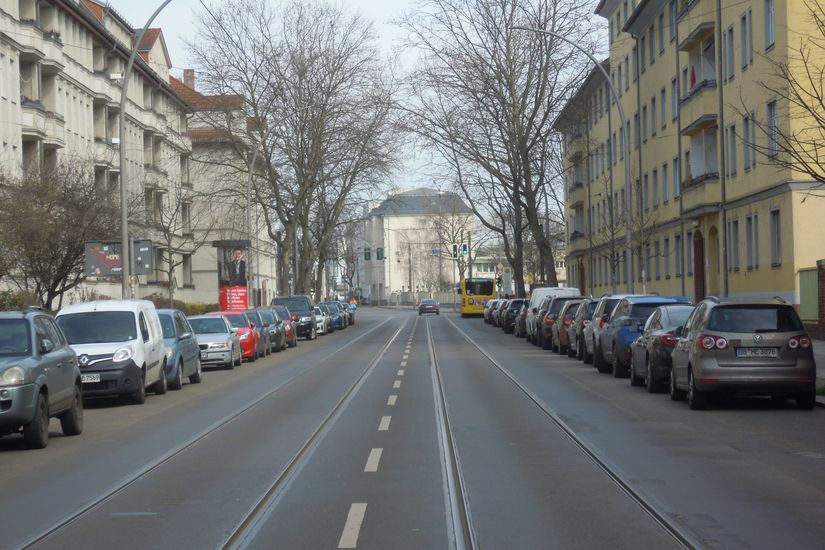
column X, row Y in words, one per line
column 119, row 346
column 536, row 298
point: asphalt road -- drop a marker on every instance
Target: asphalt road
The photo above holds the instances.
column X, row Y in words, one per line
column 345, row 442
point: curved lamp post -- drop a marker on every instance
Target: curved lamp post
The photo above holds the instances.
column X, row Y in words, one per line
column 627, row 176
column 125, row 252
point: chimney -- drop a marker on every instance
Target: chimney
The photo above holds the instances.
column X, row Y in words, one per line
column 189, row 78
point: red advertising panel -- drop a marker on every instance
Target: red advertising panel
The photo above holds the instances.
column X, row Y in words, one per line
column 233, row 298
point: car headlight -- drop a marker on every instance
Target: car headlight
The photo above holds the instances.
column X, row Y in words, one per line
column 13, row 376
column 219, row 345
column 245, row 336
column 123, row 354
column 306, row 319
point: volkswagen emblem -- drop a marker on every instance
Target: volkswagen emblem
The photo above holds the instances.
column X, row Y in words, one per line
column 757, row 338
column 84, row 360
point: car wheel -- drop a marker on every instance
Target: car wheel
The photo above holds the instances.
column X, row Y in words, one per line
column 571, row 353
column 239, row 360
column 675, row 393
column 71, row 421
column 160, row 387
column 579, row 349
column 253, row 357
column 806, row 400
column 587, row 357
column 697, row 399
column 139, row 397
column 599, row 362
column 546, row 343
column 651, row 384
column 36, row 432
column 197, row 376
column 616, row 366
column 177, row 383
column 634, row 380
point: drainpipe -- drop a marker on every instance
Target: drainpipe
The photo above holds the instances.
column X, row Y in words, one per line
column 722, row 153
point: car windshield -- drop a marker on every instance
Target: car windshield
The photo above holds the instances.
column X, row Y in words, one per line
column 591, row 308
column 167, row 324
column 208, row 326
column 643, row 311
column 267, row 315
column 516, row 304
column 14, row 337
column 323, row 308
column 558, row 304
column 333, row 308
column 281, row 312
column 428, row 302
column 296, row 304
column 96, row 327
column 237, row 321
column 610, row 305
column 755, row 318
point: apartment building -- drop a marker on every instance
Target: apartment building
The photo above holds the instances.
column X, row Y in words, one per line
column 710, row 211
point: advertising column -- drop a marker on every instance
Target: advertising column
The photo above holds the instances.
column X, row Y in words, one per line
column 232, row 284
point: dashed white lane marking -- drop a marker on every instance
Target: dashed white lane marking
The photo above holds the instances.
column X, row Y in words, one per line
column 391, row 401
column 405, row 357
column 384, row 425
column 400, row 372
column 403, row 363
column 396, row 384
column 373, row 460
column 355, row 517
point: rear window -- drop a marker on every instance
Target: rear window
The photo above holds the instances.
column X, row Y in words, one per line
column 237, row 321
column 756, row 318
column 208, row 326
column 591, row 309
column 267, row 316
column 643, row 311
column 14, row 337
column 558, row 304
column 428, row 302
column 281, row 312
column 294, row 303
column 516, row 304
column 98, row 327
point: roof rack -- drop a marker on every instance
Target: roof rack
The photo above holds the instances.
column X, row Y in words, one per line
column 712, row 298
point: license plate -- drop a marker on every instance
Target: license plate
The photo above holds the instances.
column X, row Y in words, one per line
column 204, row 355
column 89, row 378
column 757, row 352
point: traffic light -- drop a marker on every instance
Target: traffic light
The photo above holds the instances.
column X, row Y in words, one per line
column 499, row 282
column 465, row 250
column 455, row 251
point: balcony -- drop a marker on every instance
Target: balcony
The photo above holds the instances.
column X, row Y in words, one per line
column 699, row 108
column 55, row 129
column 32, row 118
column 106, row 153
column 699, row 31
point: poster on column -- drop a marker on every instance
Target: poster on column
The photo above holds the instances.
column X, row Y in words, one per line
column 232, row 275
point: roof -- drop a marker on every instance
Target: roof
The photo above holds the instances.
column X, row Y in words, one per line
column 663, row 300
column 201, row 102
column 107, row 305
column 421, row 201
column 641, row 17
column 147, row 42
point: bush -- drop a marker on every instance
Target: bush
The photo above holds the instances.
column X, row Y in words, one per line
column 162, row 302
column 11, row 301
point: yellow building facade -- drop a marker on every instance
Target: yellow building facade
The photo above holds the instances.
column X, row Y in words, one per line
column 711, row 211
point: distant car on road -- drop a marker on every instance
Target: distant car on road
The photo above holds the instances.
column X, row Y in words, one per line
column 217, row 342
column 182, row 356
column 285, row 319
column 39, row 378
column 277, row 338
column 428, row 305
column 242, row 325
column 303, row 313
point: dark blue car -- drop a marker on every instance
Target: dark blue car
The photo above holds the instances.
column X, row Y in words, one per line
column 182, row 353
column 625, row 325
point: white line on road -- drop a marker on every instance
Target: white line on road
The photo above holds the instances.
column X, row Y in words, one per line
column 405, row 357
column 384, row 425
column 391, row 401
column 396, row 384
column 349, row 538
column 400, row 372
column 403, row 363
column 373, row 460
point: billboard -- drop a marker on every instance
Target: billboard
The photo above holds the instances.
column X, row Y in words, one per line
column 103, row 258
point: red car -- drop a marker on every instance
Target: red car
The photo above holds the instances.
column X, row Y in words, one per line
column 246, row 333
column 285, row 317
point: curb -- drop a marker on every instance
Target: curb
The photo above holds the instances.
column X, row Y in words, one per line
column 820, row 401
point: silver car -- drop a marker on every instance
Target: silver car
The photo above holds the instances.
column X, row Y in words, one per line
column 218, row 343
column 743, row 346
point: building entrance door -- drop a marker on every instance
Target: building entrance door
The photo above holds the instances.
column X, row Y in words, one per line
column 698, row 266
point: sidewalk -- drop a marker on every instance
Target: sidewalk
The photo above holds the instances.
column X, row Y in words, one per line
column 819, row 356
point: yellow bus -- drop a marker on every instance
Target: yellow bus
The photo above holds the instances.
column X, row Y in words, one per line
column 475, row 293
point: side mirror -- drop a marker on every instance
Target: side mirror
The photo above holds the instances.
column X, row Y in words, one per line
column 46, row 346
column 185, row 336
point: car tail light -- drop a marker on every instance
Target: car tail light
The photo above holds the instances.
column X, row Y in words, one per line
column 799, row 342
column 669, row 340
column 294, row 317
column 601, row 323
column 549, row 322
column 567, row 322
column 708, row 342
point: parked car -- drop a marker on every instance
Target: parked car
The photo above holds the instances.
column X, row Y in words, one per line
column 561, row 336
column 285, row 318
column 508, row 317
column 346, row 308
column 39, row 378
column 218, row 343
column 592, row 332
column 650, row 360
column 428, row 305
column 181, row 356
column 323, row 321
column 119, row 346
column 756, row 347
column 259, row 326
column 489, row 307
column 303, row 314
column 496, row 315
column 277, row 339
column 549, row 319
column 539, row 320
column 337, row 317
column 581, row 319
column 624, row 326
column 248, row 336
column 536, row 298
column 520, row 325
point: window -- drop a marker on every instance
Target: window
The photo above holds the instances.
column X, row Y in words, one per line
column 663, row 106
column 367, row 254
column 379, row 253
column 642, row 53
column 731, row 164
column 755, row 240
column 655, row 188
column 685, row 81
column 610, row 151
column 729, row 62
column 667, row 258
column 733, row 245
column 776, row 241
column 751, row 138
column 621, row 143
column 749, row 242
column 661, row 33
column 746, row 145
column 671, row 11
column 677, row 242
column 677, row 184
column 624, row 12
column 674, row 99
column 773, row 130
column 665, row 196
column 644, row 123
column 637, row 133
column 635, row 64
column 750, row 36
column 652, row 45
column 770, row 15
column 744, row 39
column 627, row 74
column 613, row 151
column 647, row 193
column 657, row 260
column 653, row 116
column 689, row 253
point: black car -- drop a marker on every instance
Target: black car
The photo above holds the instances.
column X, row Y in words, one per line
column 650, row 361
column 508, row 316
column 303, row 313
column 277, row 338
column 428, row 305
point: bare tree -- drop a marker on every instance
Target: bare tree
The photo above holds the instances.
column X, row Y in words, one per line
column 485, row 97
column 47, row 217
column 319, row 95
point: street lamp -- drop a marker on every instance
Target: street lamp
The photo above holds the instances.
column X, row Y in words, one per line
column 627, row 176
column 125, row 252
